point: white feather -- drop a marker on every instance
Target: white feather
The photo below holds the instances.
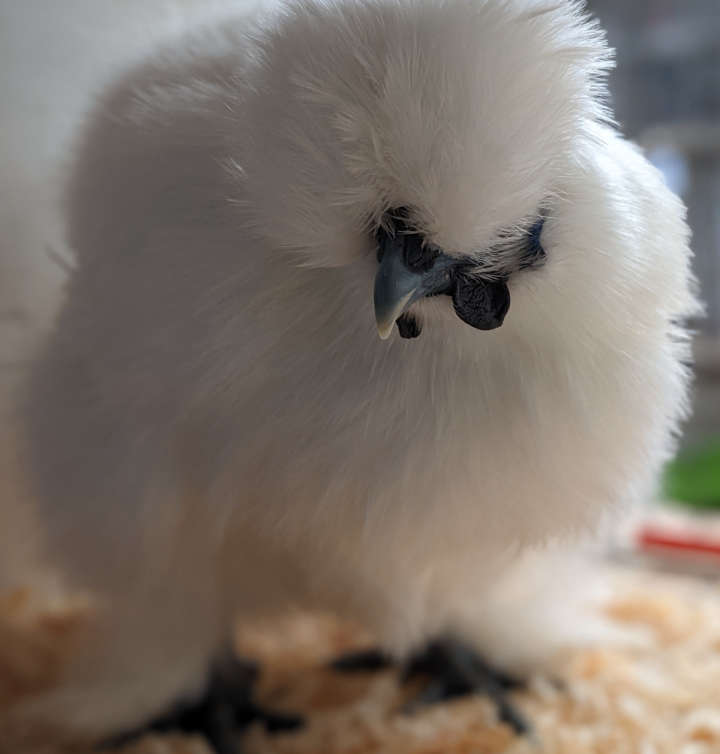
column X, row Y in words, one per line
column 214, row 427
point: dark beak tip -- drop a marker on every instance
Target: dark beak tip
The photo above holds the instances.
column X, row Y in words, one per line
column 408, row 326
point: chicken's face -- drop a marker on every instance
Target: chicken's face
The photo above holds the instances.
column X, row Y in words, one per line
column 410, row 268
column 425, row 137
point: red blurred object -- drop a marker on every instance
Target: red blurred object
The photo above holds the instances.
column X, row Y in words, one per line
column 653, row 537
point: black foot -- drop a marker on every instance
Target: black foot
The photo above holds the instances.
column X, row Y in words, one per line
column 456, row 670
column 362, row 661
column 221, row 715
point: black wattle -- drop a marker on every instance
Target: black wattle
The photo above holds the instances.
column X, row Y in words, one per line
column 481, row 304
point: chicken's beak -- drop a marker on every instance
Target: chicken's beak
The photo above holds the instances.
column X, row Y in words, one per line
column 396, row 287
column 409, row 270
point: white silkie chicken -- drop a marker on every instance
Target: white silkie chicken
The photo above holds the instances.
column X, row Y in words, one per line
column 214, row 427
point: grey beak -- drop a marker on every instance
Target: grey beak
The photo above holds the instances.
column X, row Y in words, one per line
column 409, row 269
column 396, row 286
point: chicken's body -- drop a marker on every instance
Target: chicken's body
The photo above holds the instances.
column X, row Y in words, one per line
column 215, row 429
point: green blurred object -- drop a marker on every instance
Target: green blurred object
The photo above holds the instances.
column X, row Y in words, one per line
column 693, row 478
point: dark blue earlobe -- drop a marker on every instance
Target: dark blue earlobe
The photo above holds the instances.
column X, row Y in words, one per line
column 535, row 254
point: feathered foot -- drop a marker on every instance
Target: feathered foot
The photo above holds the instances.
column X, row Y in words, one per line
column 453, row 670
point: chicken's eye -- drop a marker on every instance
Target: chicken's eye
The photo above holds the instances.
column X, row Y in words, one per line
column 419, row 256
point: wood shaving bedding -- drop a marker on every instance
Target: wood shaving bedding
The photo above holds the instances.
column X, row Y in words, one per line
column 661, row 697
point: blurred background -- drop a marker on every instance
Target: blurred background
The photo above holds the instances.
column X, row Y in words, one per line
column 666, row 95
